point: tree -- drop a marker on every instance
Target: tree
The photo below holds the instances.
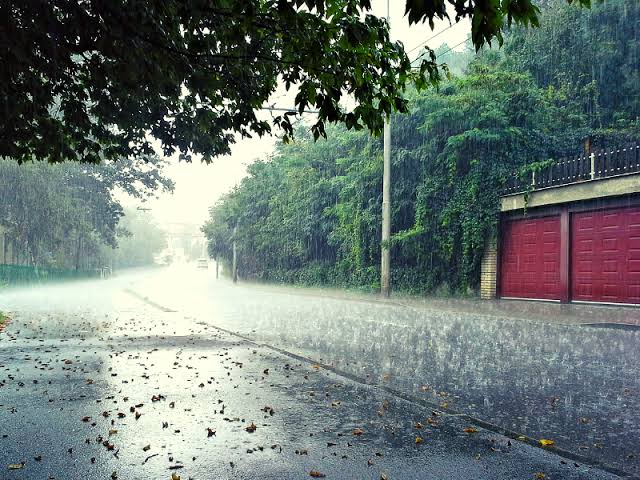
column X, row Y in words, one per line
column 311, row 213
column 139, row 240
column 62, row 215
column 93, row 80
column 593, row 55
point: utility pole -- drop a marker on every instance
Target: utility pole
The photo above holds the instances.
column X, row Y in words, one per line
column 385, row 266
column 235, row 257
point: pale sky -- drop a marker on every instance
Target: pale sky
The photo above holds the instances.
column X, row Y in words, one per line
column 198, row 186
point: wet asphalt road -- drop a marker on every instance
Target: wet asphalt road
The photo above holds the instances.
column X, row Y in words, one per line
column 94, row 381
column 578, row 385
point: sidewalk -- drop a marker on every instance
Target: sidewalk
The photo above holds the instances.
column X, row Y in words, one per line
column 526, row 310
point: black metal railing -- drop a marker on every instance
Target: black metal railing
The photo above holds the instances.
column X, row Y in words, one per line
column 599, row 164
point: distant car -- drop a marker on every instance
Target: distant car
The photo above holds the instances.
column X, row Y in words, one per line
column 203, row 263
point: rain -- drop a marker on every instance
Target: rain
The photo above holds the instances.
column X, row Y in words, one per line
column 320, row 240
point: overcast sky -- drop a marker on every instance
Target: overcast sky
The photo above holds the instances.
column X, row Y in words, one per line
column 198, row 186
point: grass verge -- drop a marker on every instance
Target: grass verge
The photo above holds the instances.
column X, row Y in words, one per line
column 4, row 319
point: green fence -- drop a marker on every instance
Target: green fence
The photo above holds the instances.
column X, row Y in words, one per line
column 11, row 275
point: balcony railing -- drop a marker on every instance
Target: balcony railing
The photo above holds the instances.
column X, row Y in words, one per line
column 598, row 165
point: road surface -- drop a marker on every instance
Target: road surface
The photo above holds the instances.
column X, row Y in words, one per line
column 125, row 377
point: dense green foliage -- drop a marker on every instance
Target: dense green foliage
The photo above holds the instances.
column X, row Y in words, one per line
column 64, row 215
column 139, row 240
column 84, row 80
column 312, row 212
column 593, row 54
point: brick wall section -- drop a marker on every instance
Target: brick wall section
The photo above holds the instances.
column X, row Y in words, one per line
column 489, row 271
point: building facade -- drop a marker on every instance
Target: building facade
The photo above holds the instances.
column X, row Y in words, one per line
column 572, row 236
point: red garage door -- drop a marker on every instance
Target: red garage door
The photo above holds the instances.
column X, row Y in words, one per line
column 605, row 258
column 530, row 261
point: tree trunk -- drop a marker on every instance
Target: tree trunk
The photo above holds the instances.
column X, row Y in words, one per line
column 78, row 248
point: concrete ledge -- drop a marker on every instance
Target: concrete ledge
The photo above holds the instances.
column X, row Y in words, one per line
column 587, row 190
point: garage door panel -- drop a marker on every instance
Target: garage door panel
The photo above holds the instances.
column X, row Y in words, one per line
column 634, row 220
column 531, row 258
column 605, row 256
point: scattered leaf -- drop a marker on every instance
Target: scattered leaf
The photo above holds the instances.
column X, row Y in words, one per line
column 545, row 443
column 316, row 474
column 470, row 430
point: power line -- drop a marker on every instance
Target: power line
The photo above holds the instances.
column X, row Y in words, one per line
column 442, row 53
column 451, row 48
column 431, row 38
column 293, row 110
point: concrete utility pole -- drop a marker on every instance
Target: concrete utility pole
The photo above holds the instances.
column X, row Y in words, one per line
column 235, row 257
column 385, row 267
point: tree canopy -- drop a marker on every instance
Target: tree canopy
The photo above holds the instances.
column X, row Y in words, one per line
column 91, row 80
column 67, row 215
column 312, row 212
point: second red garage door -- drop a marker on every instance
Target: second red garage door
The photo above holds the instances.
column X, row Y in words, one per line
column 605, row 258
column 530, row 258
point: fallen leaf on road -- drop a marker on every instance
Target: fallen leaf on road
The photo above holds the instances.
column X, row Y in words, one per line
column 419, row 440
column 470, row 430
column 540, row 476
column 358, row 431
column 175, row 476
column 251, row 428
column 16, row 466
column 316, row 474
column 146, row 448
column 545, row 443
